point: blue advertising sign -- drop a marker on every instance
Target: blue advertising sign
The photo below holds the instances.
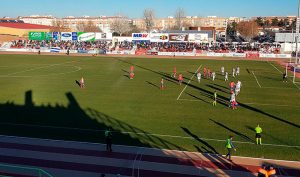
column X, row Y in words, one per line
column 74, row 36
column 55, row 35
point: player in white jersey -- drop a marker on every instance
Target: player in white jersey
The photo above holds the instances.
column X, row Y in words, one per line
column 226, row 76
column 233, row 72
column 222, row 70
column 199, row 76
column 238, row 87
column 238, row 71
column 213, row 75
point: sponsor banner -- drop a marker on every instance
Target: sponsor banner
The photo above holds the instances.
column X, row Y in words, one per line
column 140, row 36
column 55, row 49
column 198, row 37
column 66, row 36
column 83, row 36
column 212, row 54
column 48, row 36
column 74, row 36
column 284, row 55
column 36, row 36
column 175, row 53
column 252, row 55
column 103, row 36
column 82, row 51
column 55, row 36
column 265, row 55
column 178, row 37
column 159, row 37
column 243, row 55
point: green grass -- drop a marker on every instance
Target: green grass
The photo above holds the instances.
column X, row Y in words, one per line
column 39, row 98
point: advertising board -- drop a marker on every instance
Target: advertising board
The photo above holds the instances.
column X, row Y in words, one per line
column 66, row 36
column 178, row 37
column 140, row 36
column 159, row 37
column 36, row 36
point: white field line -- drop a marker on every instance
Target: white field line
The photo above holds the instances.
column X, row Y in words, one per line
column 281, row 73
column 256, row 80
column 32, row 69
column 77, row 68
column 186, row 152
column 260, row 104
column 158, row 135
column 188, row 82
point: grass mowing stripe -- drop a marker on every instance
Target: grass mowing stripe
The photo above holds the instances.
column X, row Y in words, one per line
column 188, row 82
column 32, row 69
column 256, row 79
column 154, row 134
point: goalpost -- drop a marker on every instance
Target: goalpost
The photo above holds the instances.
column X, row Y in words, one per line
column 297, row 40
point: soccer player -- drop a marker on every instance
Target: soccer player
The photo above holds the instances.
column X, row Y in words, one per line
column 234, row 104
column 180, row 78
column 108, row 139
column 229, row 147
column 232, row 86
column 208, row 73
column 162, row 86
column 131, row 69
column 238, row 71
column 226, row 76
column 233, row 72
column 215, row 98
column 199, row 76
column 222, row 70
column 232, row 99
column 174, row 72
column 238, row 87
column 284, row 77
column 81, row 83
column 131, row 75
column 258, row 131
column 204, row 72
column 213, row 76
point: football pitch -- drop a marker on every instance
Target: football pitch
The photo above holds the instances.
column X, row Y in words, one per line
column 40, row 98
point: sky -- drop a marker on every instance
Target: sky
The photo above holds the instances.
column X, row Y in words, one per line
column 162, row 8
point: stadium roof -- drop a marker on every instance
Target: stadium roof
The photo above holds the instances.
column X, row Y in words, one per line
column 24, row 26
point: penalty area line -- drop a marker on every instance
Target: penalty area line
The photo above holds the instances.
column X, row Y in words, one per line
column 188, row 82
column 256, row 80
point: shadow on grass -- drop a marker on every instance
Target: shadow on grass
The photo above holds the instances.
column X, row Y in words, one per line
column 71, row 123
column 216, row 88
column 150, row 83
column 233, row 131
column 210, row 149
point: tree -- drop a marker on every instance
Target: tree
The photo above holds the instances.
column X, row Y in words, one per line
column 274, row 22
column 179, row 18
column 259, row 21
column 231, row 28
column 87, row 27
column 120, row 25
column 149, row 16
column 58, row 26
column 248, row 29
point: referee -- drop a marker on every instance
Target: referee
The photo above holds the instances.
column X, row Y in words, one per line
column 258, row 131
